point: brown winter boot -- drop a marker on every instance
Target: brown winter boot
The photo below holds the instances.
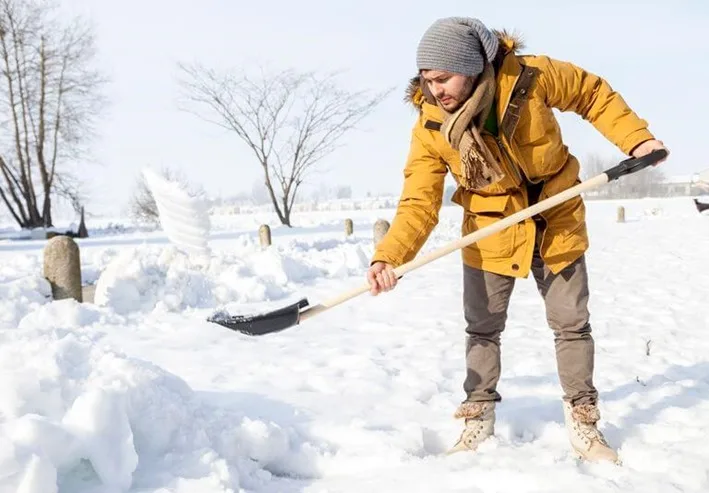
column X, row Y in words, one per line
column 479, row 425
column 586, row 440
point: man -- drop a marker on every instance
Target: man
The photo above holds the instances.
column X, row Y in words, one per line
column 485, row 115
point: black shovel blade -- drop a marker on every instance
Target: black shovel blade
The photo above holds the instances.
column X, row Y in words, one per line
column 263, row 323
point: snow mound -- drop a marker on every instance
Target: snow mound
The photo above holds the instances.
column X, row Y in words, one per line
column 143, row 279
column 22, row 289
column 151, row 278
column 77, row 416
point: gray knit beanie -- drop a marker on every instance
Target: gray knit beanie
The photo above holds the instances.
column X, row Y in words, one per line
column 456, row 44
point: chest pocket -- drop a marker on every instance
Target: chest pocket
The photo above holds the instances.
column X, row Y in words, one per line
column 537, row 122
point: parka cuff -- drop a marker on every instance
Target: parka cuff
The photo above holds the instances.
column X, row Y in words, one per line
column 635, row 139
column 383, row 257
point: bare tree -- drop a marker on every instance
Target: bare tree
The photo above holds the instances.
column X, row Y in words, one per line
column 290, row 120
column 49, row 97
column 142, row 207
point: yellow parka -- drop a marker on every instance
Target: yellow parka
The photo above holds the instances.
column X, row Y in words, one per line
column 529, row 147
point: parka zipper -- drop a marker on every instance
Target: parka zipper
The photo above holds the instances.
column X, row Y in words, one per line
column 523, row 183
column 509, row 160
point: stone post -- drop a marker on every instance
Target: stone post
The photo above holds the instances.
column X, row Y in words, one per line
column 62, row 268
column 380, row 229
column 264, row 234
column 621, row 214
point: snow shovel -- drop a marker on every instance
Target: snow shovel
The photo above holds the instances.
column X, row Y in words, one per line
column 293, row 314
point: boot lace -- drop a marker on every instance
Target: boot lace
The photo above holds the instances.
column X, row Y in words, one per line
column 590, row 433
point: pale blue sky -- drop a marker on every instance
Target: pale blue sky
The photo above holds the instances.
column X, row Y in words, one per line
column 654, row 53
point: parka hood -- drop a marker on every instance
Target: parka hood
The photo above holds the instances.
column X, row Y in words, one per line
column 509, row 43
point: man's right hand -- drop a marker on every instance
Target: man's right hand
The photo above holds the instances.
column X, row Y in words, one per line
column 381, row 277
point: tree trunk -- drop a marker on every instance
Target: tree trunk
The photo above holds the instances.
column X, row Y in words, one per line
column 47, row 212
column 286, row 210
column 283, row 216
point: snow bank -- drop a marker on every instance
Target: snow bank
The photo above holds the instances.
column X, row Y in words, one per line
column 78, row 416
column 22, row 289
column 92, row 400
column 163, row 278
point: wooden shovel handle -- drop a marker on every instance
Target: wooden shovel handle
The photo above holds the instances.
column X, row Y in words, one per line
column 627, row 166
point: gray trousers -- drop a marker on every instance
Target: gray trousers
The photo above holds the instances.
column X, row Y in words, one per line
column 486, row 299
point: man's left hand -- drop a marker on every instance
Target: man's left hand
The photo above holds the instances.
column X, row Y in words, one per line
column 647, row 147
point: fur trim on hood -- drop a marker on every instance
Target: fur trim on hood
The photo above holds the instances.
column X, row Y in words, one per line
column 509, row 43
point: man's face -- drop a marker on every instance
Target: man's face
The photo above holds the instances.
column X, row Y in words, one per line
column 450, row 89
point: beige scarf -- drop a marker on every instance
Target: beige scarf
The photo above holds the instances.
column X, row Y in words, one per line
column 462, row 131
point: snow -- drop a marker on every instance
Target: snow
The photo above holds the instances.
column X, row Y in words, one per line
column 183, row 215
column 138, row 393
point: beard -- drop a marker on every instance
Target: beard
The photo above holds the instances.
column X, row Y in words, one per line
column 454, row 101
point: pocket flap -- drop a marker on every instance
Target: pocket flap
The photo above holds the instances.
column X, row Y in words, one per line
column 492, row 203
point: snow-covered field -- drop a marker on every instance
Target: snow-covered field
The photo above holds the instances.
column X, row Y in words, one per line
column 138, row 393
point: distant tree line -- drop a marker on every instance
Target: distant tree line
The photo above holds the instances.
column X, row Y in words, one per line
column 645, row 183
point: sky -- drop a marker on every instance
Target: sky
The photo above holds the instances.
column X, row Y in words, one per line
column 653, row 53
